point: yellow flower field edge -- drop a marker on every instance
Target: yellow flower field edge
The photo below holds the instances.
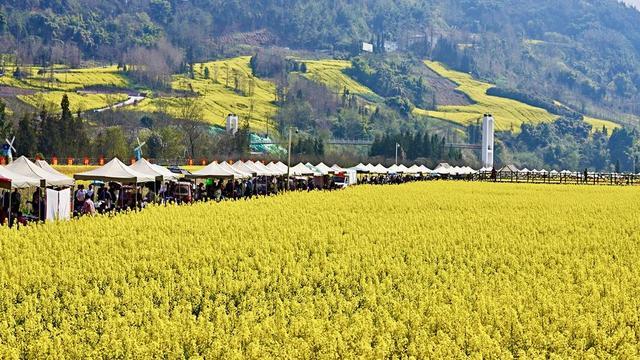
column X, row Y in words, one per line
column 508, row 113
column 435, row 270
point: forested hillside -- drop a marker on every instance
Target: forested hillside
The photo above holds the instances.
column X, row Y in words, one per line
column 585, row 53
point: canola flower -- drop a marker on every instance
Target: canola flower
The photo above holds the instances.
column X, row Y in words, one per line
column 423, row 270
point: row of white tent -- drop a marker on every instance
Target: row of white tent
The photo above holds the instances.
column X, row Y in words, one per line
column 23, row 173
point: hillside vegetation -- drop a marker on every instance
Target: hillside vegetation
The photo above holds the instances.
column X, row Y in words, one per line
column 229, row 88
column 332, row 74
column 508, row 113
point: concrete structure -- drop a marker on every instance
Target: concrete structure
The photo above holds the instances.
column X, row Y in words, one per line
column 487, row 141
column 232, row 124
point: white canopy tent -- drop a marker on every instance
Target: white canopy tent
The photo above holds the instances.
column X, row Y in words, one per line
column 324, row 169
column 212, row 171
column 45, row 165
column 18, row 181
column 238, row 174
column 414, row 169
column 394, row 169
column 160, row 173
column 262, row 168
column 425, row 170
column 282, row 166
column 276, row 169
column 360, row 168
column 444, row 169
column 316, row 171
column 26, row 167
column 370, row 168
column 380, row 169
column 116, row 170
column 301, row 170
column 338, row 168
column 245, row 168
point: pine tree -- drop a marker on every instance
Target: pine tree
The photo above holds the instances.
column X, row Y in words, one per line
column 67, row 141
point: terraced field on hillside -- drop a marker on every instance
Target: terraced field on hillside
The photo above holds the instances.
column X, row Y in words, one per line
column 331, row 73
column 217, row 95
column 508, row 113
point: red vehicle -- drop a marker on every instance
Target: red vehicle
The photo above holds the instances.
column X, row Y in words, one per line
column 182, row 192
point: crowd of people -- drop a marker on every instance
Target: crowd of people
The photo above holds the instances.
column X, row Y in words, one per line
column 100, row 198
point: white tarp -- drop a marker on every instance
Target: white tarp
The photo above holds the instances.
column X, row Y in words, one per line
column 26, row 167
column 18, row 181
column 58, row 205
column 159, row 172
column 115, row 170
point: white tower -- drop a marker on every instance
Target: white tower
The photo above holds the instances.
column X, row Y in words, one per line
column 232, row 124
column 487, row 141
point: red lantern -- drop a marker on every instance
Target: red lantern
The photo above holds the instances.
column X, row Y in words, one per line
column 54, row 160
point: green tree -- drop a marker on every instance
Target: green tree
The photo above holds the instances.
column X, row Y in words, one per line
column 67, row 141
column 26, row 141
column 111, row 142
column 5, row 125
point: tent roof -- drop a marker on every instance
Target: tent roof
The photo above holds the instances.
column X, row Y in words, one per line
column 425, row 170
column 45, row 165
column 361, row 168
column 394, row 169
column 324, row 169
column 301, row 170
column 211, row 171
column 237, row 173
column 18, row 181
column 245, row 168
column 337, row 168
column 145, row 167
column 263, row 168
column 115, row 170
column 276, row 169
column 380, row 169
column 509, row 168
column 26, row 167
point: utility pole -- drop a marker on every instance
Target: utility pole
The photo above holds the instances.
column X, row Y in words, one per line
column 289, row 158
column 397, row 146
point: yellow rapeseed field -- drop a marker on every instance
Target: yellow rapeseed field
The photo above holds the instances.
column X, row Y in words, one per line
column 440, row 270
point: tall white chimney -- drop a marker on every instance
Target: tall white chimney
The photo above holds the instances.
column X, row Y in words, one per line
column 487, row 141
column 232, row 124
